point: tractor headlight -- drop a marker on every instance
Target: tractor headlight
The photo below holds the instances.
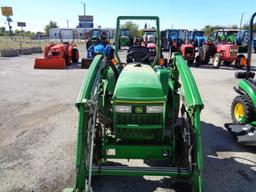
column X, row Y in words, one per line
column 123, row 109
column 154, row 109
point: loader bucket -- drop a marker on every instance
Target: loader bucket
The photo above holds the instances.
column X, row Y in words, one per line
column 52, row 63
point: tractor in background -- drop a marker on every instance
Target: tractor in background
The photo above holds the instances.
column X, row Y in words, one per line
column 243, row 108
column 139, row 110
column 197, row 38
column 170, row 40
column 125, row 39
column 99, row 46
column 95, row 36
column 242, row 40
column 221, row 48
column 59, row 55
column 187, row 49
column 184, row 46
column 149, row 41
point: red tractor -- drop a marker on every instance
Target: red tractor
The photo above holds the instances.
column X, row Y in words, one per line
column 149, row 41
column 58, row 56
column 221, row 50
column 187, row 49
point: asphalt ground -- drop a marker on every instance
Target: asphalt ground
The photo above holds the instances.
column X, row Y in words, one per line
column 38, row 122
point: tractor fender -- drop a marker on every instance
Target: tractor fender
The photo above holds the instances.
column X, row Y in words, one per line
column 248, row 89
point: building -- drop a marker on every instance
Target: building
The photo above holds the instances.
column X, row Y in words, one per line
column 67, row 33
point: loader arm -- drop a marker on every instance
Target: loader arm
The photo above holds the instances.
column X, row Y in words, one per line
column 194, row 105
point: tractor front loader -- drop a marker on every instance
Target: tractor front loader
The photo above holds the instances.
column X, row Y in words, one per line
column 243, row 108
column 139, row 110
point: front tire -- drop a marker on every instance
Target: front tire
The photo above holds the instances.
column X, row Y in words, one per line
column 216, row 61
column 242, row 110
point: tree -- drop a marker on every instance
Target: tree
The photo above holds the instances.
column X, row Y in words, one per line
column 52, row 24
column 246, row 27
column 134, row 28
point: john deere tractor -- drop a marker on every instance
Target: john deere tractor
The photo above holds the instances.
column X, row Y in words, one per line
column 126, row 38
column 243, row 109
column 138, row 110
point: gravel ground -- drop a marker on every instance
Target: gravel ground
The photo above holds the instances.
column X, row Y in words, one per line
column 38, row 122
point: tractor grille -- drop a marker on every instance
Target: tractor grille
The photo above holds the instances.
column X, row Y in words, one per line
column 143, row 132
column 233, row 52
column 139, row 119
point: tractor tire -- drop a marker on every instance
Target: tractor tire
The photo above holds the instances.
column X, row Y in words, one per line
column 67, row 59
column 75, row 56
column 238, row 64
column 198, row 61
column 216, row 61
column 204, row 53
column 242, row 109
column 88, row 44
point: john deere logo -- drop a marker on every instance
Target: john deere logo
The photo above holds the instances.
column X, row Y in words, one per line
column 138, row 110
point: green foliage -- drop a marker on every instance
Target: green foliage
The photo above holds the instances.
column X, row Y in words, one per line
column 246, row 27
column 209, row 28
column 51, row 24
column 133, row 27
column 23, row 33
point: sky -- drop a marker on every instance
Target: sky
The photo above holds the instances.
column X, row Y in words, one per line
column 189, row 14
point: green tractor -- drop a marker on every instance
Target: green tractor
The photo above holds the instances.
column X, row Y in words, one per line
column 139, row 110
column 243, row 108
column 126, row 38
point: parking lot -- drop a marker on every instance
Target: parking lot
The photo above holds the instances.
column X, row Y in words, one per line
column 38, row 122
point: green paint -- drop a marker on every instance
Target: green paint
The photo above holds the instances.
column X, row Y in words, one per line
column 138, row 134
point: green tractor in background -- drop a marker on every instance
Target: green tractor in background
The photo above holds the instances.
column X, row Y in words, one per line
column 139, row 110
column 126, row 39
column 243, row 109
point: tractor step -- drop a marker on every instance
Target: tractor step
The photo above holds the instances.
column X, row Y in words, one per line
column 245, row 134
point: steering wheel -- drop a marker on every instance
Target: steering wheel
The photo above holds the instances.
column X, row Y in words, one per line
column 137, row 57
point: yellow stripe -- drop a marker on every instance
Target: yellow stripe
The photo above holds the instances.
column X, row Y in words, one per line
column 143, row 102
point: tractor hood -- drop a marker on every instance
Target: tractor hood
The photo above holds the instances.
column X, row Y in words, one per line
column 138, row 82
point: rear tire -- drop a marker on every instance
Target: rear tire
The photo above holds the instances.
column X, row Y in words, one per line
column 198, row 61
column 204, row 53
column 216, row 61
column 75, row 56
column 242, row 108
column 238, row 64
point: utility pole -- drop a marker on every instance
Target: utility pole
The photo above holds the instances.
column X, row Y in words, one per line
column 241, row 21
column 67, row 24
column 84, row 8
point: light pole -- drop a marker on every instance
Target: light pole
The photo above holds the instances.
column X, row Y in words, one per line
column 241, row 21
column 83, row 3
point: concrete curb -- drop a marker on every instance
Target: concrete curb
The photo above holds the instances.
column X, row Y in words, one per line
column 26, row 51
column 9, row 52
column 36, row 50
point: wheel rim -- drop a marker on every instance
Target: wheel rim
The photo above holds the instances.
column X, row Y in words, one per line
column 239, row 111
column 216, row 61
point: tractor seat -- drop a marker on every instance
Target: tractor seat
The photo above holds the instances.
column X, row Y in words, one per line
column 138, row 53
